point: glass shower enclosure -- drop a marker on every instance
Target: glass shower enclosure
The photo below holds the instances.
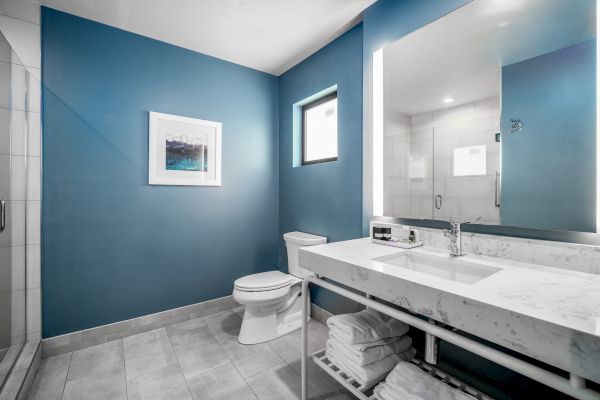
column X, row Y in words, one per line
column 14, row 192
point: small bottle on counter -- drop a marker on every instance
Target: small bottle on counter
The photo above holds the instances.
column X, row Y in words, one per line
column 412, row 237
column 387, row 234
column 377, row 233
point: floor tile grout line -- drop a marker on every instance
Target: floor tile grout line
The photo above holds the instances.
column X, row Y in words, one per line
column 187, row 385
column 62, row 395
column 124, row 369
column 233, row 363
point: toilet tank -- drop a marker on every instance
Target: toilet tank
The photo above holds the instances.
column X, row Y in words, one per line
column 295, row 240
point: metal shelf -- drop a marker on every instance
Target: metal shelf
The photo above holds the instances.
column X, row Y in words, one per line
column 366, row 393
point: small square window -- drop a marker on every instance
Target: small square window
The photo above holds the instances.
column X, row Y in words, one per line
column 319, row 130
column 470, row 160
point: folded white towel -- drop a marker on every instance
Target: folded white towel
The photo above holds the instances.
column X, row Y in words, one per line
column 409, row 382
column 368, row 375
column 365, row 326
column 371, row 354
column 364, row 346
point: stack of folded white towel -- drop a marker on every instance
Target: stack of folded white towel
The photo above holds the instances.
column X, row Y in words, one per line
column 409, row 382
column 366, row 345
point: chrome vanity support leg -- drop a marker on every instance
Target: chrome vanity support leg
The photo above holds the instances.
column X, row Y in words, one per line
column 577, row 381
column 431, row 347
column 304, row 356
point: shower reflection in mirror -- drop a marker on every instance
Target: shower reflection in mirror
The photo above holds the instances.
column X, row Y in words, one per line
column 489, row 112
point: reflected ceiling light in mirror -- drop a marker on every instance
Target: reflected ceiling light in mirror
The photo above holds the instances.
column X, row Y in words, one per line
column 448, row 100
column 378, row 133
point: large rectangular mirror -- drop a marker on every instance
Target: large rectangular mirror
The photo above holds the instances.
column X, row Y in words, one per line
column 490, row 111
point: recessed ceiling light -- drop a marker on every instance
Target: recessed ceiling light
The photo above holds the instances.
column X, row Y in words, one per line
column 448, row 100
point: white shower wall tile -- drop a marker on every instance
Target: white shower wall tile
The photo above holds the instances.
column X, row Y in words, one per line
column 470, row 186
column 18, row 86
column 33, row 222
column 17, row 266
column 16, row 222
column 24, row 37
column 17, row 132
column 34, row 90
column 33, row 266
column 4, row 127
column 35, row 134
column 17, row 178
column 33, row 178
column 34, row 310
column 5, row 176
column 401, row 205
column 471, row 208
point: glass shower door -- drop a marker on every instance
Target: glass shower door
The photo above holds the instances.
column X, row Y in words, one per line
column 13, row 195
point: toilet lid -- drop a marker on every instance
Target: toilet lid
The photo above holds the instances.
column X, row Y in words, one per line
column 263, row 281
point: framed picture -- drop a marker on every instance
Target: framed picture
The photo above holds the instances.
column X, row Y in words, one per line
column 183, row 151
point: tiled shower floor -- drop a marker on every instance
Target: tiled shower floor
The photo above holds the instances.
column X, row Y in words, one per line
column 198, row 359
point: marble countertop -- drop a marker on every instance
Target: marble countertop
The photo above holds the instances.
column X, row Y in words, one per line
column 547, row 313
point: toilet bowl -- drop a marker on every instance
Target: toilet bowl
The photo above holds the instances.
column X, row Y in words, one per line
column 273, row 299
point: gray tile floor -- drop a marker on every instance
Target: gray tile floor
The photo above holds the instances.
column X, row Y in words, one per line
column 198, row 359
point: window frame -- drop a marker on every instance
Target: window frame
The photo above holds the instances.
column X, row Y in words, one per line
column 305, row 108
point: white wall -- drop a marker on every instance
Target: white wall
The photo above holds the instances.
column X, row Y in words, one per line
column 20, row 83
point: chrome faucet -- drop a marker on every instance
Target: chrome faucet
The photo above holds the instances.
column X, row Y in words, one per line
column 454, row 234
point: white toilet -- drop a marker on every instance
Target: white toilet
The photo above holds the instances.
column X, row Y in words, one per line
column 273, row 299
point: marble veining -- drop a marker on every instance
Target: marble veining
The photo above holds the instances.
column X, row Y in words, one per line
column 571, row 256
column 548, row 313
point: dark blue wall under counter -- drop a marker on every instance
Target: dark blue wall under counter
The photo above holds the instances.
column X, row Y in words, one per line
column 115, row 247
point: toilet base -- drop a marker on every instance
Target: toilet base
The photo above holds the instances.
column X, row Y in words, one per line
column 263, row 324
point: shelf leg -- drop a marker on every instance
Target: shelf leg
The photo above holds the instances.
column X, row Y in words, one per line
column 304, row 356
column 431, row 347
column 577, row 381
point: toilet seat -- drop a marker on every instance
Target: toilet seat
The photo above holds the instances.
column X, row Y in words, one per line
column 264, row 281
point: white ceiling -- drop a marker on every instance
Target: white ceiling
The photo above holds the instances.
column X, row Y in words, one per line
column 267, row 35
column 460, row 55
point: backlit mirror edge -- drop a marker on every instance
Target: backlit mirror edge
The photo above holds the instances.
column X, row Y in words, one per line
column 374, row 134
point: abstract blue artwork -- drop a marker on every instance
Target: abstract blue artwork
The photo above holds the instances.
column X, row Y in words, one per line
column 183, row 150
column 183, row 156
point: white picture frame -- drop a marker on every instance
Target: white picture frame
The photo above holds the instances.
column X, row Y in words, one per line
column 183, row 151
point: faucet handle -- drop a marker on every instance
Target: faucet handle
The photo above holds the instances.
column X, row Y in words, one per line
column 473, row 221
column 457, row 224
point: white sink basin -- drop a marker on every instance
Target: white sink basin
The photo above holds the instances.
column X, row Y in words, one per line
column 453, row 269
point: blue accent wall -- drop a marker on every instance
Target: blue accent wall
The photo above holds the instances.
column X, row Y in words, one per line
column 326, row 198
column 114, row 247
column 549, row 167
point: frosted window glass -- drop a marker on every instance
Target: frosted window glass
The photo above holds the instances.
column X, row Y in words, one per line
column 321, row 131
column 469, row 160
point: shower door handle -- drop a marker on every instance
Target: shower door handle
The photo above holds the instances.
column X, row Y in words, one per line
column 438, row 201
column 2, row 215
column 497, row 190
